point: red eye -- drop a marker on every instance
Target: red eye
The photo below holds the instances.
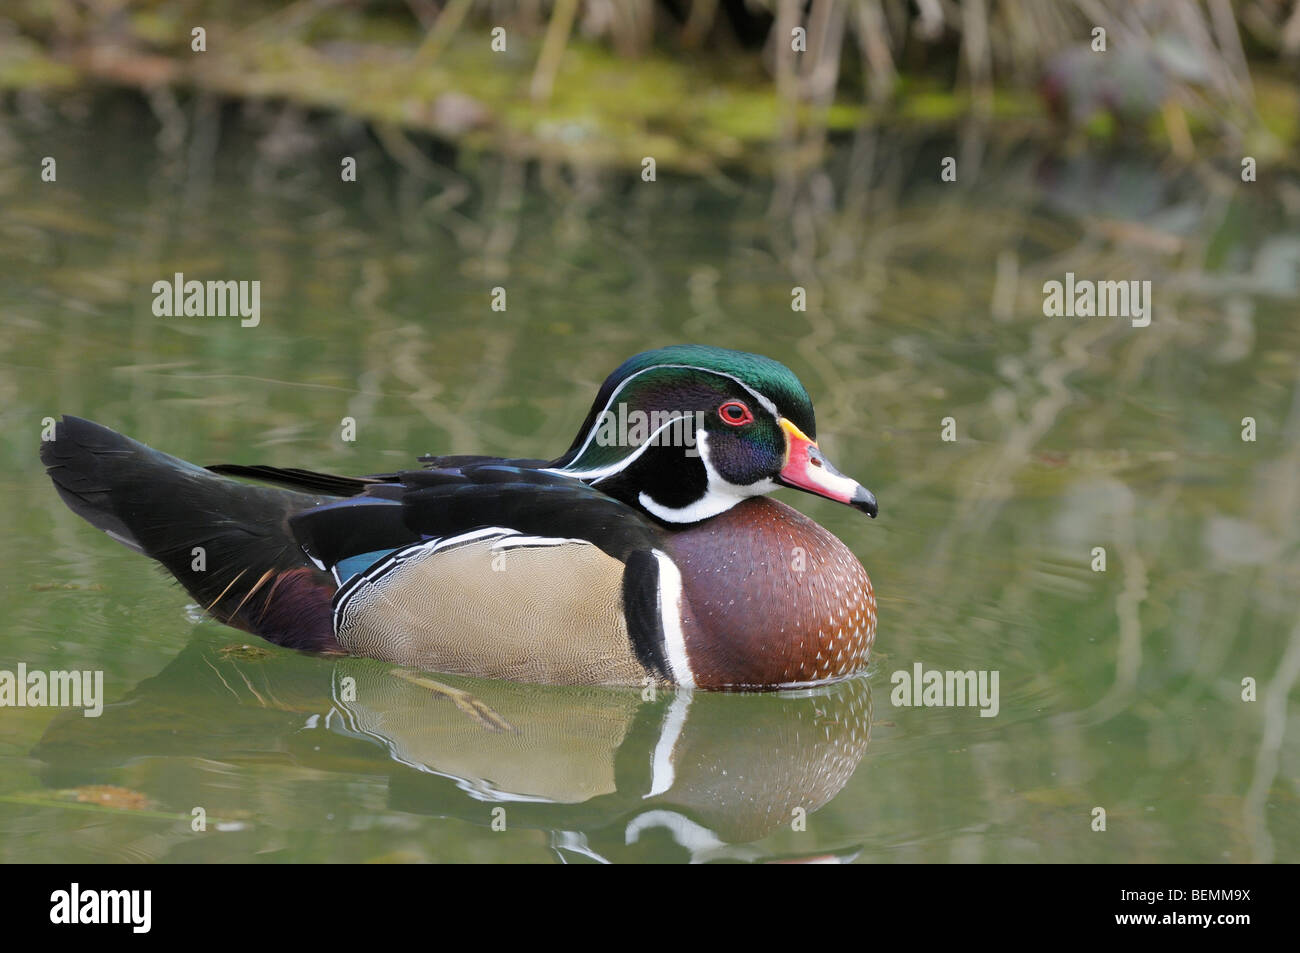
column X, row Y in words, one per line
column 735, row 413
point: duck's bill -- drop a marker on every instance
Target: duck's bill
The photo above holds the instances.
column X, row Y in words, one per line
column 806, row 468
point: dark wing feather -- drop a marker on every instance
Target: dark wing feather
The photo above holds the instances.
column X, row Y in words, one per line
column 449, row 502
column 359, row 524
column 314, row 481
column 297, row 479
column 434, row 461
column 446, row 502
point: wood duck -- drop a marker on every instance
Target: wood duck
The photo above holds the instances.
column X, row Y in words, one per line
column 647, row 551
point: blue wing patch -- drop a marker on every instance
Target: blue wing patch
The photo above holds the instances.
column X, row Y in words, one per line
column 345, row 569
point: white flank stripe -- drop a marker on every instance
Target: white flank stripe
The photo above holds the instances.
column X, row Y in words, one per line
column 445, row 541
column 533, row 542
column 367, row 577
column 670, row 615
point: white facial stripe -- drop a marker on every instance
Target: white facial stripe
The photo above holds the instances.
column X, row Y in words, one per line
column 670, row 614
column 618, row 466
column 591, row 435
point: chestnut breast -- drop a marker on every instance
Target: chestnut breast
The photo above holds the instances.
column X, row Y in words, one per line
column 770, row 598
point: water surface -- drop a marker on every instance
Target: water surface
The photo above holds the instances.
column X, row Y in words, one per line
column 1119, row 689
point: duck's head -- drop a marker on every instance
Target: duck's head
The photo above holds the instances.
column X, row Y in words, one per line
column 686, row 432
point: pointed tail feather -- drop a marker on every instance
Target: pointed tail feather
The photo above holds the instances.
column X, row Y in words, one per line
column 228, row 543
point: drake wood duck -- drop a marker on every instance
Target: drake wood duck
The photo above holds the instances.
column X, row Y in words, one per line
column 646, row 551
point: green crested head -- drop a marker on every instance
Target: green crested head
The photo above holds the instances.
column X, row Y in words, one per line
column 687, row 431
column 760, row 374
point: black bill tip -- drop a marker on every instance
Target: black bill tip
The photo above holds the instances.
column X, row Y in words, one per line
column 865, row 500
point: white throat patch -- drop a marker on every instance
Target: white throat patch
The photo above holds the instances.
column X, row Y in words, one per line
column 719, row 495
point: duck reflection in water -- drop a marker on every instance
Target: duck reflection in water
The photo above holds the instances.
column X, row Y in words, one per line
column 613, row 773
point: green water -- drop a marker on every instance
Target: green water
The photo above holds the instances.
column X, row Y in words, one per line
column 1119, row 690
